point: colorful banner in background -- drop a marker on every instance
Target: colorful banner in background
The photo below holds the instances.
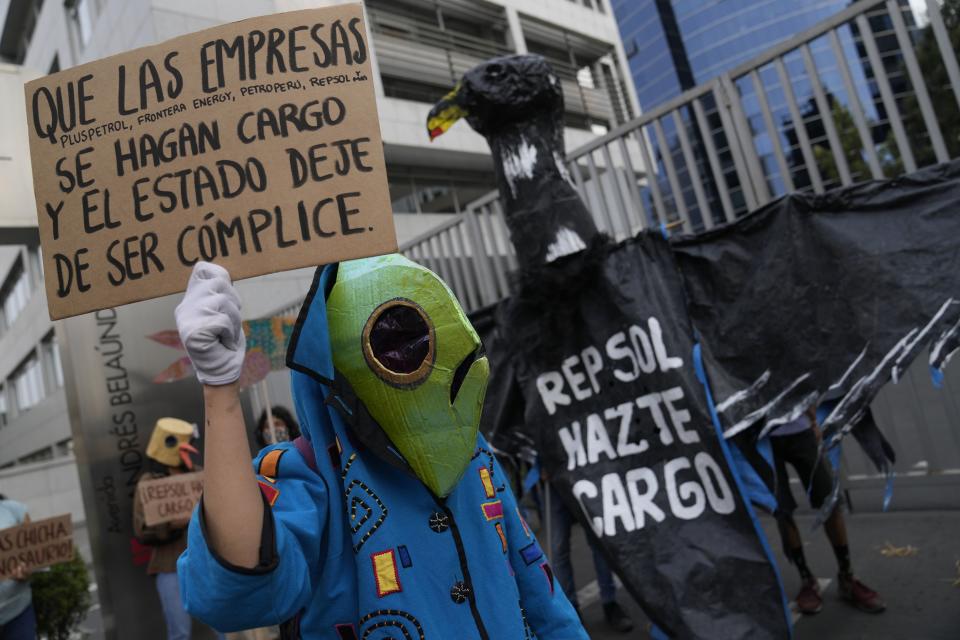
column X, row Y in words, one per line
column 267, row 340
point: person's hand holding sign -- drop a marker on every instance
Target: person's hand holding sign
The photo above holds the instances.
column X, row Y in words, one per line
column 211, row 330
column 20, row 572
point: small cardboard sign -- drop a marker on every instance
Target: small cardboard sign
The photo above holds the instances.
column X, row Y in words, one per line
column 37, row 544
column 170, row 499
column 255, row 145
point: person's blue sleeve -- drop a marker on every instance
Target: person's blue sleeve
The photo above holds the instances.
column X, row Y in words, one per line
column 19, row 510
column 547, row 609
column 230, row 598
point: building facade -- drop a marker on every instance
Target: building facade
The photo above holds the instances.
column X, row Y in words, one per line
column 421, row 48
column 675, row 45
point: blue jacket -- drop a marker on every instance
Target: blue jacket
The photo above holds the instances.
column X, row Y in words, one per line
column 357, row 547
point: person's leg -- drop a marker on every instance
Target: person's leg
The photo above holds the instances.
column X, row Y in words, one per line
column 783, row 452
column 177, row 619
column 612, row 611
column 851, row 589
column 560, row 523
column 808, row 599
column 817, row 478
column 22, row 627
column 608, row 590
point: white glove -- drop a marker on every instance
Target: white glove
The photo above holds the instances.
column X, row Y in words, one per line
column 208, row 320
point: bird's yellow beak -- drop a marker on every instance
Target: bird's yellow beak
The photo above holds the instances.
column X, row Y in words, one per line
column 445, row 114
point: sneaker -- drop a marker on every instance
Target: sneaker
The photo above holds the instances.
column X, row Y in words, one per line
column 809, row 600
column 860, row 595
column 616, row 617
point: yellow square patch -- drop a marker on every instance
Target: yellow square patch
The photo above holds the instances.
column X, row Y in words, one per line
column 385, row 573
column 487, row 481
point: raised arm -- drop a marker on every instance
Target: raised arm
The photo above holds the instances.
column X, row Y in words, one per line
column 209, row 323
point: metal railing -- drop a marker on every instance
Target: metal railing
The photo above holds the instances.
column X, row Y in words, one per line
column 848, row 100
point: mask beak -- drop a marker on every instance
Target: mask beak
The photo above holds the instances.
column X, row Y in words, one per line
column 185, row 450
column 445, row 114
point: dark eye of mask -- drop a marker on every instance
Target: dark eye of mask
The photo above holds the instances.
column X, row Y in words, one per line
column 400, row 339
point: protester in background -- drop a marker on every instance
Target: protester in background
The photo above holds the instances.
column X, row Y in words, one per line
column 168, row 453
column 561, row 525
column 285, row 427
column 798, row 443
column 17, row 619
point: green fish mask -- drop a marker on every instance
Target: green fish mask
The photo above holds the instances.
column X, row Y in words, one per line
column 401, row 340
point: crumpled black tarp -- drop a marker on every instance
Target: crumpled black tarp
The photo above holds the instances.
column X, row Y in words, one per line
column 827, row 297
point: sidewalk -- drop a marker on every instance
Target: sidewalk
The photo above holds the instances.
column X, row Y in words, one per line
column 923, row 601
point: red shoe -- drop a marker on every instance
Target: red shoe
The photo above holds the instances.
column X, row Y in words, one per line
column 809, row 600
column 860, row 595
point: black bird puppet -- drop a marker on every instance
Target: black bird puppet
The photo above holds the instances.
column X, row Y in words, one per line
column 611, row 356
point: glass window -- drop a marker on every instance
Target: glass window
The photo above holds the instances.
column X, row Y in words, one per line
column 15, row 294
column 28, row 383
column 52, row 364
column 431, row 190
column 39, row 455
column 84, row 15
column 3, row 406
column 401, row 196
column 65, row 447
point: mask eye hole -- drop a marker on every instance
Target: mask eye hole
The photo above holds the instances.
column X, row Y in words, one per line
column 170, row 442
column 398, row 342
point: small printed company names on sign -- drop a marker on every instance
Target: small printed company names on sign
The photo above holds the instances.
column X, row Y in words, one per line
column 35, row 545
column 255, row 145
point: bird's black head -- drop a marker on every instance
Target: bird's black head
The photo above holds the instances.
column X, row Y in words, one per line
column 498, row 93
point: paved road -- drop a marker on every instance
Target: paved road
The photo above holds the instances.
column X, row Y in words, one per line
column 923, row 599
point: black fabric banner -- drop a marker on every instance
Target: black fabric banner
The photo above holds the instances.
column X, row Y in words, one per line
column 604, row 361
column 808, row 299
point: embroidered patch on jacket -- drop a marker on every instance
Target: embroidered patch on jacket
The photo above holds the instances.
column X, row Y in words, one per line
column 385, row 572
column 394, row 622
column 493, row 510
column 487, row 481
column 367, row 511
column 270, row 492
column 404, row 557
column 270, row 464
column 549, row 573
column 531, row 553
column 523, row 523
column 346, row 632
column 503, row 536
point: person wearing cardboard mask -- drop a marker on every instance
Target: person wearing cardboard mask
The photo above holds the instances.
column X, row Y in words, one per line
column 168, row 451
column 389, row 517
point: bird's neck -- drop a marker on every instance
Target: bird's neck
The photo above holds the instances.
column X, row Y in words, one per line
column 545, row 215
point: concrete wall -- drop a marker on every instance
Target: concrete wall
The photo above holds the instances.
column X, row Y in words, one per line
column 49, row 488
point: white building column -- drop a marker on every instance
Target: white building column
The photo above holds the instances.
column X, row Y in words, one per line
column 516, row 30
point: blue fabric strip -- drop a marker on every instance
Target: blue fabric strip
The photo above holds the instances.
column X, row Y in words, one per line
column 532, row 478
column 702, row 376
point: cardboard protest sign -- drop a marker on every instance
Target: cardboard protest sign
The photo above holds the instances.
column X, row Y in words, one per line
column 170, row 499
column 35, row 545
column 255, row 145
